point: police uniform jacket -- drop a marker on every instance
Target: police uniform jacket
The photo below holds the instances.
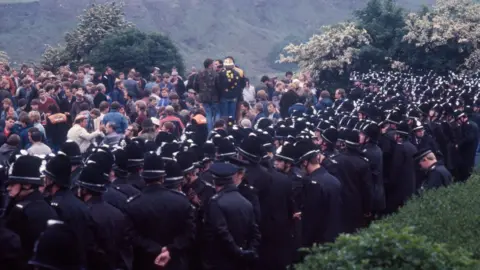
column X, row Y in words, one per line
column 115, row 197
column 160, row 218
column 321, row 213
column 250, row 193
column 136, row 181
column 276, row 224
column 76, row 214
column 357, row 191
column 401, row 185
column 230, row 227
column 110, row 224
column 121, row 184
column 437, row 176
column 28, row 218
column 11, row 255
column 374, row 154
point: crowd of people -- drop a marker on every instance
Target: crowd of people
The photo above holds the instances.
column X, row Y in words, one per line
column 113, row 171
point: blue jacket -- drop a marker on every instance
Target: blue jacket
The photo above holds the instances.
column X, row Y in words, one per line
column 120, row 121
column 297, row 107
column 117, row 95
column 163, row 102
column 260, row 115
column 323, row 104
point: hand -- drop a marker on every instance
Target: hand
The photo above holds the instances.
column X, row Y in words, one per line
column 193, row 197
column 297, row 215
column 163, row 258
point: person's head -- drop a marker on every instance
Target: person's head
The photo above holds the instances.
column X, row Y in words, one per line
column 340, row 93
column 420, row 133
column 140, row 106
column 266, row 80
column 9, row 122
column 24, row 119
column 324, row 94
column 7, row 103
column 110, row 127
column 79, row 96
column 271, row 108
column 34, row 116
column 259, row 107
column 42, row 94
column 246, row 123
column 169, row 110
column 262, row 95
column 164, row 92
column 168, row 127
column 104, row 106
column 218, row 65
column 26, row 83
column 52, row 109
column 219, row 124
column 152, row 101
column 81, row 120
column 288, row 75
column 101, row 88
column 14, row 140
column 166, row 77
column 50, row 89
column 94, row 113
column 109, row 71
column 427, row 161
column 131, row 131
column 34, row 135
column 174, row 98
column 244, row 106
column 279, row 87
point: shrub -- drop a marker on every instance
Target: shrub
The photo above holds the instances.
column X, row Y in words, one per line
column 448, row 215
column 385, row 247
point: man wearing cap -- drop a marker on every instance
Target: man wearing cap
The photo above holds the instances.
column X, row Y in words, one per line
column 232, row 234
column 68, row 207
column 356, row 183
column 322, row 212
column 134, row 152
column 163, row 219
column 29, row 212
column 467, row 146
column 369, row 135
column 110, row 222
column 80, row 135
column 437, row 174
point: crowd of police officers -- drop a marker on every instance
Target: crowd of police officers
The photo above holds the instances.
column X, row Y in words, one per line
column 247, row 198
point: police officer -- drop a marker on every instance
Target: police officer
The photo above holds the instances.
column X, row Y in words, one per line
column 321, row 213
column 110, row 222
column 29, row 212
column 437, row 174
column 58, row 248
column 467, row 146
column 72, row 150
column 369, row 135
column 163, row 219
column 69, row 208
column 231, row 232
column 135, row 162
column 120, row 173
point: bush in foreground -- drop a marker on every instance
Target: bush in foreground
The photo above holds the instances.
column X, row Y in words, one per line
column 385, row 247
column 447, row 215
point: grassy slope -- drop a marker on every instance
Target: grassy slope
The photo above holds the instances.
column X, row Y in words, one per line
column 246, row 29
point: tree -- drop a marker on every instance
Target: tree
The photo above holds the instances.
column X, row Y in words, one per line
column 336, row 49
column 446, row 36
column 4, row 57
column 277, row 49
column 135, row 49
column 384, row 21
column 94, row 24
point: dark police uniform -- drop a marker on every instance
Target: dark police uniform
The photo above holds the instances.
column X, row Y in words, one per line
column 231, row 232
column 124, row 186
column 161, row 218
column 28, row 218
column 437, row 176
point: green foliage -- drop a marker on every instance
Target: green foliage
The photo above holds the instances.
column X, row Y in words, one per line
column 449, row 215
column 94, row 24
column 4, row 57
column 135, row 49
column 385, row 23
column 385, row 247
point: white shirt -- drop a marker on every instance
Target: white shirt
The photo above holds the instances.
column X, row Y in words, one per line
column 249, row 94
column 81, row 136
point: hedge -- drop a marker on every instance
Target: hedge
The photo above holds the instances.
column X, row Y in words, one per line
column 448, row 215
column 385, row 247
column 438, row 230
